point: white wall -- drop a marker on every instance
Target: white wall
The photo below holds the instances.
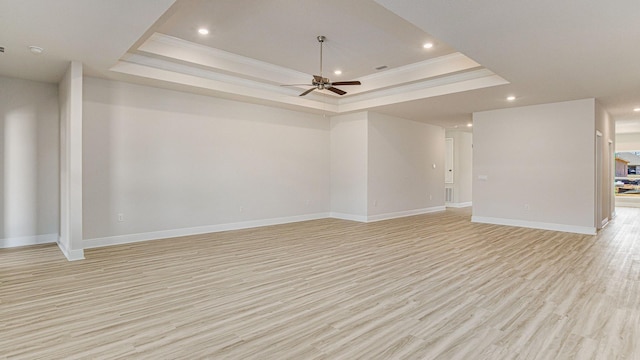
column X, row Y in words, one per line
column 174, row 163
column 401, row 176
column 540, row 164
column 627, row 142
column 606, row 126
column 463, row 167
column 349, row 166
column 28, row 162
column 70, row 100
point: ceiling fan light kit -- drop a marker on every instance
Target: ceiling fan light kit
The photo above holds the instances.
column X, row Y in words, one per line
column 322, row 83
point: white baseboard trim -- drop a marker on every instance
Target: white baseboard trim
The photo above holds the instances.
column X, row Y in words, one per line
column 458, row 205
column 164, row 234
column 71, row 255
column 399, row 214
column 28, row 240
column 585, row 230
column 350, row 217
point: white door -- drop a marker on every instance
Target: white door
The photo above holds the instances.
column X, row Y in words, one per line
column 448, row 161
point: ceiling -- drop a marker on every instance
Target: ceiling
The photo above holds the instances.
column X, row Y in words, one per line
column 543, row 51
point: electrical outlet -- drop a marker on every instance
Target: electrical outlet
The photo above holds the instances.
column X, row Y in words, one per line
column 430, row 197
column 241, row 209
column 527, row 207
column 120, row 217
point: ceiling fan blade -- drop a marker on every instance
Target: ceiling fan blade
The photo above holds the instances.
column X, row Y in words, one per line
column 306, row 92
column 336, row 90
column 346, row 83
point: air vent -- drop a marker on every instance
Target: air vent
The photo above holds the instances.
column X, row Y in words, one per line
column 382, row 67
column 1, row 49
column 448, row 195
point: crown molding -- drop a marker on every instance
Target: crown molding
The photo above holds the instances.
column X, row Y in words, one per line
column 169, row 61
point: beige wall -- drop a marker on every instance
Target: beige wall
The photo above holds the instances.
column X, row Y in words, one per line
column 628, row 142
column 463, row 167
column 29, row 173
column 383, row 167
column 174, row 163
column 606, row 126
column 535, row 166
column 70, row 91
column 405, row 166
column 349, row 146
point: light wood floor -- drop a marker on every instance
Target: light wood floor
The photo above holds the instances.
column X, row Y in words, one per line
column 424, row 287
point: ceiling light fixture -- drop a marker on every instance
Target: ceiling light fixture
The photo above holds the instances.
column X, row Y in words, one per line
column 36, row 49
column 203, row 31
column 338, row 72
column 428, row 45
column 636, row 109
column 511, row 98
column 469, row 125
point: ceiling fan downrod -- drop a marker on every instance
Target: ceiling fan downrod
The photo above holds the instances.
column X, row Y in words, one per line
column 321, row 40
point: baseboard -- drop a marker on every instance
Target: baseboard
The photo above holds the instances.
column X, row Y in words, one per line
column 28, row 240
column 586, row 230
column 164, row 234
column 71, row 255
column 399, row 214
column 458, row 205
column 343, row 216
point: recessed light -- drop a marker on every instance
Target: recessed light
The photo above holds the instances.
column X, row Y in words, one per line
column 203, row 31
column 636, row 109
column 469, row 125
column 428, row 45
column 36, row 49
column 338, row 72
column 511, row 98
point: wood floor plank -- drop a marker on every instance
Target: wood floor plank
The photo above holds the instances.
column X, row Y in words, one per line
column 432, row 286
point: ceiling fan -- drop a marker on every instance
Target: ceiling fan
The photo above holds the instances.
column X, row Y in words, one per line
column 321, row 83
